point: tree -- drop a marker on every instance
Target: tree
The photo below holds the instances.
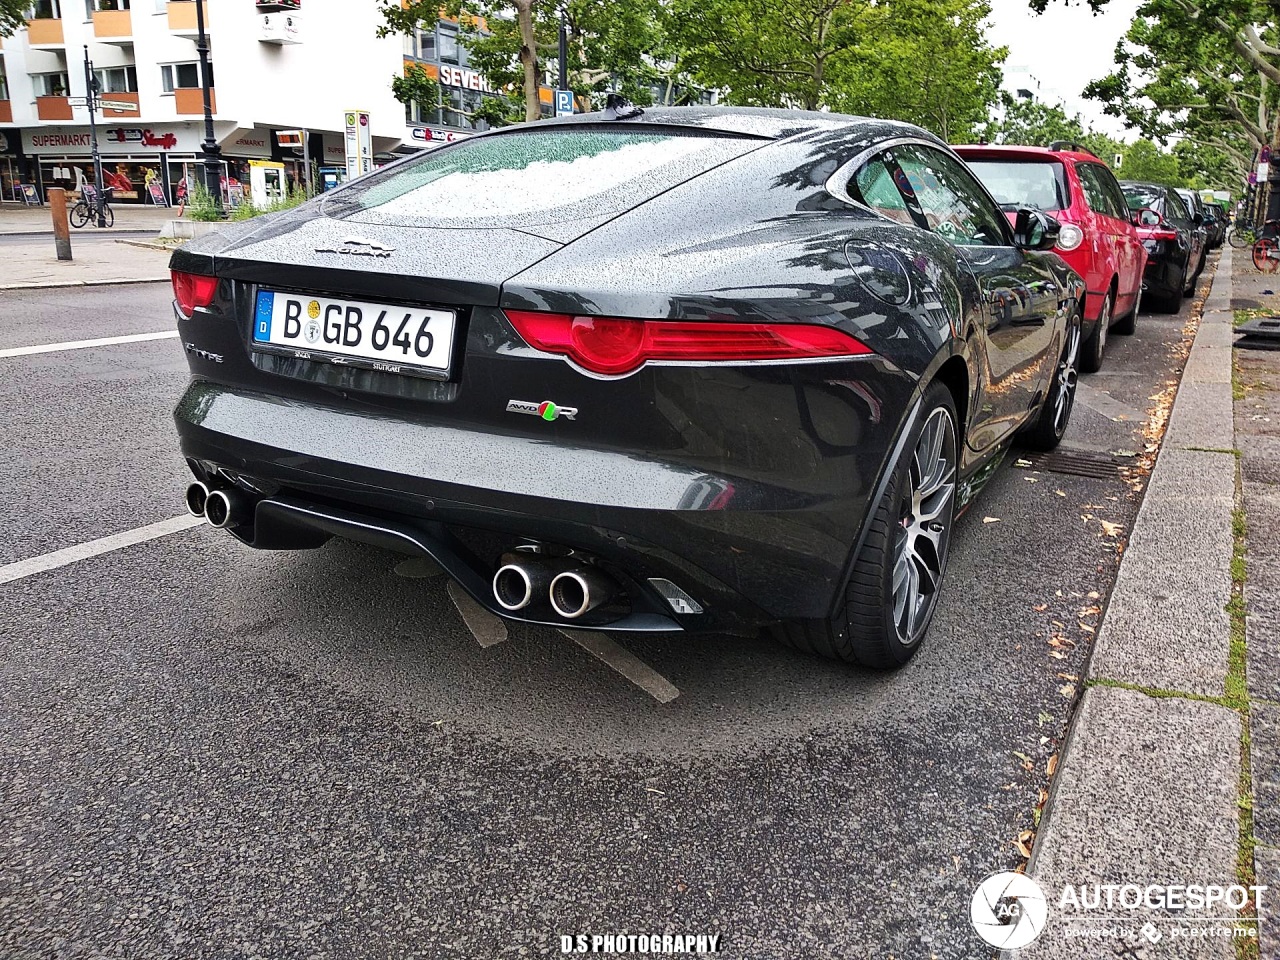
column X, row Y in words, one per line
column 13, row 15
column 920, row 60
column 416, row 86
column 1030, row 122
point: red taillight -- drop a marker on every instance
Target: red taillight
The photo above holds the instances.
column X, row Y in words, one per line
column 1164, row 233
column 193, row 290
column 614, row 346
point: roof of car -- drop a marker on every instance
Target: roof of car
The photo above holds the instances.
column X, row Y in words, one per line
column 1024, row 152
column 752, row 121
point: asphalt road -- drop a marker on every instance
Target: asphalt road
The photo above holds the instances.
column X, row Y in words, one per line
column 207, row 752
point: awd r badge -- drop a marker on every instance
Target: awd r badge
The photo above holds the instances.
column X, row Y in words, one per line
column 546, row 409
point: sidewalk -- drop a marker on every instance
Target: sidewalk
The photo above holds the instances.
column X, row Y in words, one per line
column 18, row 219
column 34, row 265
column 1150, row 789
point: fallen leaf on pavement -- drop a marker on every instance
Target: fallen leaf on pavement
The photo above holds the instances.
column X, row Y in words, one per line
column 1068, row 691
column 990, row 519
column 1111, row 529
column 1052, row 766
column 1040, row 607
column 1024, row 841
column 1059, row 493
column 1086, row 628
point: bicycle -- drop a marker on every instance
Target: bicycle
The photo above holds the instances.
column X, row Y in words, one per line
column 1242, row 237
column 83, row 211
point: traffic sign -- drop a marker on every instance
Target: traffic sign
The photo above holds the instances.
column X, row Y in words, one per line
column 78, row 101
column 117, row 105
column 564, row 103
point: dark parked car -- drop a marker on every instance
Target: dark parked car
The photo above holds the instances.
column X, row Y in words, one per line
column 1175, row 242
column 678, row 370
column 1197, row 208
column 1215, row 224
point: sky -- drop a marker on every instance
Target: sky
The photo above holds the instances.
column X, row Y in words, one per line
column 1058, row 52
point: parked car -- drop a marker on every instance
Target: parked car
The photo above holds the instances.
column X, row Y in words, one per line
column 1196, row 207
column 664, row 370
column 1215, row 223
column 1174, row 238
column 1097, row 238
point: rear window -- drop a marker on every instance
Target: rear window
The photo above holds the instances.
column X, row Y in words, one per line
column 536, row 177
column 1024, row 183
column 1139, row 196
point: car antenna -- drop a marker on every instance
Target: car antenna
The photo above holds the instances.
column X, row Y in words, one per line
column 618, row 107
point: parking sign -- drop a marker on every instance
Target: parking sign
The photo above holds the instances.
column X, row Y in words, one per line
column 564, row 103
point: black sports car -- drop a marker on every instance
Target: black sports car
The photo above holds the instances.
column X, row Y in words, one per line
column 665, row 370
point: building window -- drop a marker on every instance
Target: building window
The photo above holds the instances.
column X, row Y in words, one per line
column 93, row 6
column 46, row 10
column 447, row 38
column 427, row 44
column 4, row 87
column 118, row 80
column 182, row 76
column 50, row 84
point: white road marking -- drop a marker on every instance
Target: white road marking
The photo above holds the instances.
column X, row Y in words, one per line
column 484, row 626
column 62, row 558
column 85, row 344
column 625, row 662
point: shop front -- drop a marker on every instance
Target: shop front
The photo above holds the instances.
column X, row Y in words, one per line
column 14, row 167
column 133, row 158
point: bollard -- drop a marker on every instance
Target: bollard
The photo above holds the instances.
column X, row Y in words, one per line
column 61, row 227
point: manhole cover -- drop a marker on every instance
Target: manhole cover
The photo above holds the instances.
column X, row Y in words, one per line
column 1099, row 466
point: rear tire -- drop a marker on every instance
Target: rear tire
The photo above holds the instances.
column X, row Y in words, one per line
column 1050, row 424
column 893, row 588
column 1095, row 346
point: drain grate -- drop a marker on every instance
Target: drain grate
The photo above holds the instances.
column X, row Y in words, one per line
column 1099, row 466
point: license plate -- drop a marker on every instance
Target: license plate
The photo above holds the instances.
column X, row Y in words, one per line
column 377, row 336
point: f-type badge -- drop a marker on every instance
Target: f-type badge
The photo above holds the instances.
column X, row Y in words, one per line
column 546, row 409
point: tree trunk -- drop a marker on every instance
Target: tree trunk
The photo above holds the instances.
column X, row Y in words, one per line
column 529, row 58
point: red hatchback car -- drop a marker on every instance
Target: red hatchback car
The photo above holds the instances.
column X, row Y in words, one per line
column 1098, row 239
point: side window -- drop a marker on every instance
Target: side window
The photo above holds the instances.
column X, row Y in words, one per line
column 873, row 187
column 1111, row 186
column 1095, row 193
column 1177, row 209
column 954, row 203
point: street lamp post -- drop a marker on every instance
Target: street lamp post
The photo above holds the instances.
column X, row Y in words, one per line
column 212, row 152
column 91, row 101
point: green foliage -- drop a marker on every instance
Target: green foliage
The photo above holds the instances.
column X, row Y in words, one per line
column 496, row 112
column 1029, row 122
column 296, row 197
column 13, row 14
column 1145, row 161
column 416, row 86
column 919, row 60
column 200, row 206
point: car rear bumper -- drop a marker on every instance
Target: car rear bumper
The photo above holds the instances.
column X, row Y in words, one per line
column 749, row 549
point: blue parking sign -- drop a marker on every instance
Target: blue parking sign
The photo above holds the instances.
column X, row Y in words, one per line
column 564, row 103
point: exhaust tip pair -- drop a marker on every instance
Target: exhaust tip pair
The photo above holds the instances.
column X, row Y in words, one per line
column 573, row 592
column 222, row 508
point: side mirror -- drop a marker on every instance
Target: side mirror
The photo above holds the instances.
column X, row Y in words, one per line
column 1197, row 218
column 1146, row 217
column 1034, row 230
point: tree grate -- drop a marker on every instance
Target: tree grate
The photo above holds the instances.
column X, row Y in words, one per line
column 1097, row 466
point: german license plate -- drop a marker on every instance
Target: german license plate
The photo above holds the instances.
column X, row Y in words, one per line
column 377, row 336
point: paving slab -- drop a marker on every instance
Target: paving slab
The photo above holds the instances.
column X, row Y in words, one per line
column 18, row 219
column 1264, row 753
column 1166, row 625
column 1147, row 793
column 29, row 265
column 1266, row 868
column 1262, row 588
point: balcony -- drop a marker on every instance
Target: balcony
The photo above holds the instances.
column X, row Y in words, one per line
column 113, row 26
column 189, row 101
column 6, row 111
column 119, row 100
column 182, row 18
column 45, row 33
column 54, row 108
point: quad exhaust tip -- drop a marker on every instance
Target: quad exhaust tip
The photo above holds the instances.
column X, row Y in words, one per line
column 197, row 499
column 512, row 587
column 226, row 508
column 577, row 592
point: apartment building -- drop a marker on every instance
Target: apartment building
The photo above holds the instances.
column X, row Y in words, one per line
column 274, row 66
